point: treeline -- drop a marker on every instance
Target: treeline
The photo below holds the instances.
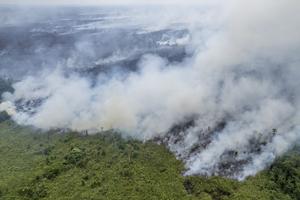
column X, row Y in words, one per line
column 54, row 165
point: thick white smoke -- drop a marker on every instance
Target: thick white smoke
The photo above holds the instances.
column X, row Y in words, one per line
column 240, row 89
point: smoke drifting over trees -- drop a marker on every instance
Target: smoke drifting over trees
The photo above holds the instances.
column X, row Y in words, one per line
column 237, row 82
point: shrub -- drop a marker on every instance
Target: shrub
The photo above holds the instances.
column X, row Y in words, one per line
column 51, row 173
column 76, row 157
column 126, row 173
column 286, row 174
column 96, row 184
column 34, row 192
column 216, row 187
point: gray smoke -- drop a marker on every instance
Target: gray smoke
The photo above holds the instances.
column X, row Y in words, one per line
column 229, row 109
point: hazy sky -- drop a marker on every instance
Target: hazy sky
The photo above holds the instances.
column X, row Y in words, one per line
column 101, row 2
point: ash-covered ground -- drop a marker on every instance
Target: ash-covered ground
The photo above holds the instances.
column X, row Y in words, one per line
column 86, row 40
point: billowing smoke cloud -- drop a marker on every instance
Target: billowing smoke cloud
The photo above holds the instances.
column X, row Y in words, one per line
column 229, row 109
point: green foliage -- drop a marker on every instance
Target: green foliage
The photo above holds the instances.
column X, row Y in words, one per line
column 214, row 187
column 76, row 157
column 34, row 192
column 51, row 173
column 71, row 166
column 285, row 172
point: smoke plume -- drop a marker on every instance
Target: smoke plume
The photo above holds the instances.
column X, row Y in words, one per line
column 229, row 109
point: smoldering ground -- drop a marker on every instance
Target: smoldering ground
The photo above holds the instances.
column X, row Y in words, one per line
column 229, row 108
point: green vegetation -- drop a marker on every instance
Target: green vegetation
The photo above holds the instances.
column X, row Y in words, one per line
column 69, row 166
